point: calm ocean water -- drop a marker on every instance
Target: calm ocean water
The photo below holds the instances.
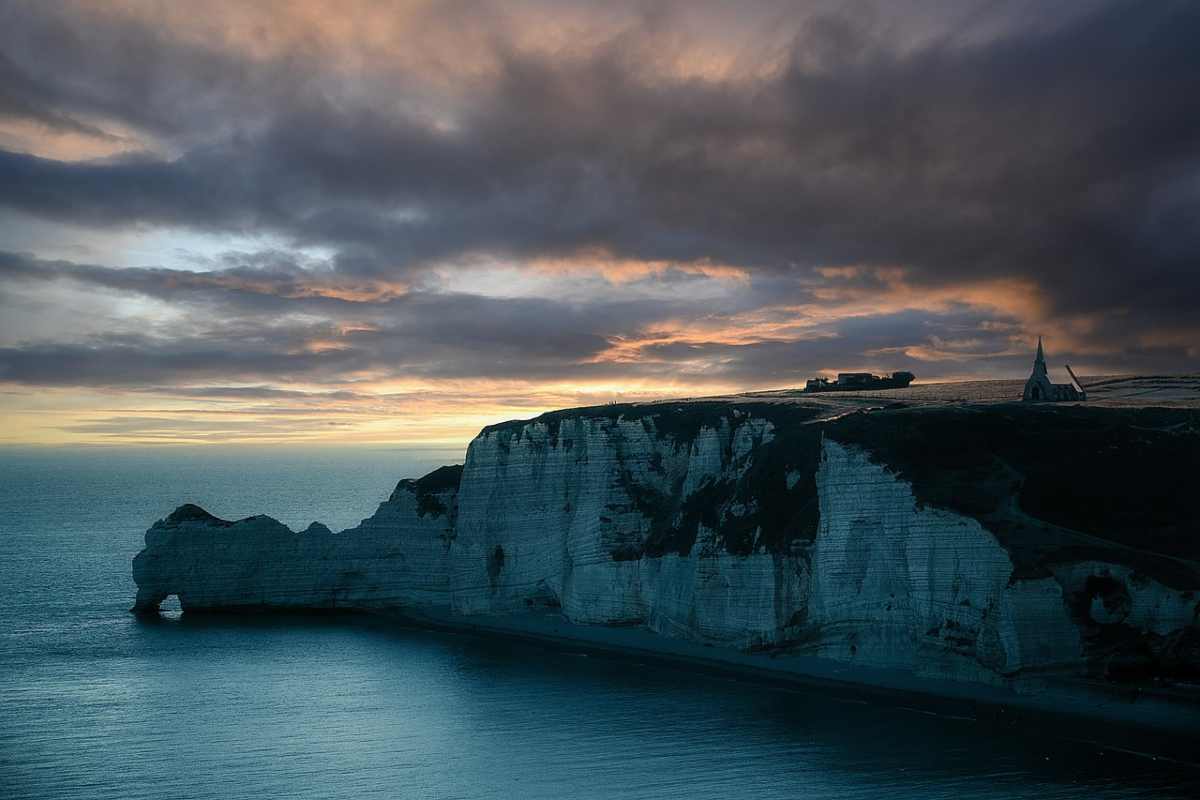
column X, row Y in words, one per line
column 96, row 704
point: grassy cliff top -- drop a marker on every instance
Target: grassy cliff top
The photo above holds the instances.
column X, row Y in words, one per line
column 1161, row 391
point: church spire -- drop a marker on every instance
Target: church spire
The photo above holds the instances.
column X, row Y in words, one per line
column 1039, row 363
column 1039, row 388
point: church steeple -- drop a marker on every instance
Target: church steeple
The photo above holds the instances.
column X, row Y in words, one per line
column 1039, row 388
column 1039, row 363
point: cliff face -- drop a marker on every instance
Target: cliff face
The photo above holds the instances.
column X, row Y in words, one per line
column 946, row 543
column 616, row 520
column 397, row 557
column 922, row 588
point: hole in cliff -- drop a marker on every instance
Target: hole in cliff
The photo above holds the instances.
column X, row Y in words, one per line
column 170, row 607
column 1105, row 600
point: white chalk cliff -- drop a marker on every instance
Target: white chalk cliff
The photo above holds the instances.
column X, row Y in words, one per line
column 398, row 557
column 745, row 526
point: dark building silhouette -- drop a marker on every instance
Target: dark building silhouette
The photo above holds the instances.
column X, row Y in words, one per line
column 1039, row 389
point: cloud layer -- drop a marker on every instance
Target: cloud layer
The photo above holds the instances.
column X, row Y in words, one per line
column 613, row 198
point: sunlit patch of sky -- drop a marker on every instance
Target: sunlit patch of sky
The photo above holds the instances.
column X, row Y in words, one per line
column 199, row 251
column 145, row 246
column 69, row 312
column 585, row 279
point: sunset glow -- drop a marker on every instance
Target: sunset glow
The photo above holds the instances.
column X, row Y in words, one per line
column 400, row 222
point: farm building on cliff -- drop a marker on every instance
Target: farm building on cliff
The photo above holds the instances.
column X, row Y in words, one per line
column 1039, row 388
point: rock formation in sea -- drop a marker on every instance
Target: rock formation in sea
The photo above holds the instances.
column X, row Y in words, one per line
column 990, row 543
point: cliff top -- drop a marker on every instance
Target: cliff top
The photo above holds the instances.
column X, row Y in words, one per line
column 1110, row 391
column 1104, row 391
column 190, row 512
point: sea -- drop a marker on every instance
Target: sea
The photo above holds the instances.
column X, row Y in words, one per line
column 96, row 703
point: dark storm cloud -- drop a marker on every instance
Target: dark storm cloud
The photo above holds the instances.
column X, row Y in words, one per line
column 22, row 98
column 1067, row 156
column 964, row 345
column 244, row 324
column 460, row 337
column 268, row 282
column 415, row 326
column 143, row 361
column 63, row 61
column 134, row 360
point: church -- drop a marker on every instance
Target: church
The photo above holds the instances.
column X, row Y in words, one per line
column 1039, row 388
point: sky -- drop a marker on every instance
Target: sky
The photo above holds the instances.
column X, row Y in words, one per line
column 394, row 223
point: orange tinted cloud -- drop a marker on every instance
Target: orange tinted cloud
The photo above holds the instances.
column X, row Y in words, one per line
column 617, row 270
column 71, row 140
column 889, row 292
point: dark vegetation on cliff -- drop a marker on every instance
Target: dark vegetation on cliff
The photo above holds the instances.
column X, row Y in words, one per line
column 1053, row 483
column 428, row 487
column 759, row 510
column 190, row 512
column 441, row 479
column 680, row 421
